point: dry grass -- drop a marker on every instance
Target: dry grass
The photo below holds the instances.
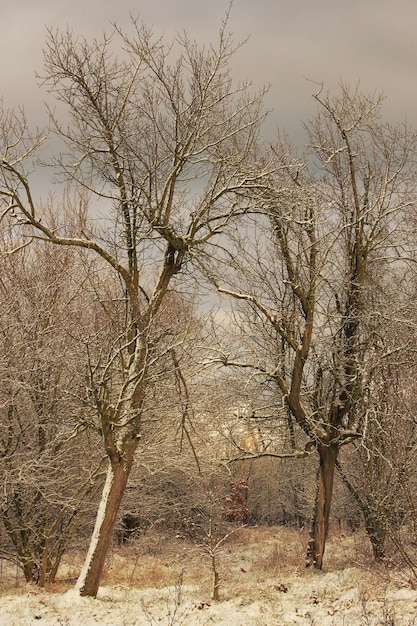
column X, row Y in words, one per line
column 156, row 561
column 250, row 560
column 259, row 567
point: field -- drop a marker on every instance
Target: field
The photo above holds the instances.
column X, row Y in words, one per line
column 167, row 581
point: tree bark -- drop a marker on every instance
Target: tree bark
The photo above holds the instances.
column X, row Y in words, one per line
column 30, row 571
column 216, row 579
column 375, row 526
column 117, row 476
column 320, row 523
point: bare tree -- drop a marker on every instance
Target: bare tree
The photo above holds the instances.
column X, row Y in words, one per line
column 165, row 141
column 379, row 470
column 333, row 222
column 48, row 472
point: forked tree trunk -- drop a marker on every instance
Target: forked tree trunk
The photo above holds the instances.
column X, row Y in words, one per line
column 117, row 476
column 320, row 523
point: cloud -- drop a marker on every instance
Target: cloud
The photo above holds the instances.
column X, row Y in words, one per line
column 289, row 41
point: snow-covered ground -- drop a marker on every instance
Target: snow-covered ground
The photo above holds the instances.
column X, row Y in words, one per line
column 262, row 585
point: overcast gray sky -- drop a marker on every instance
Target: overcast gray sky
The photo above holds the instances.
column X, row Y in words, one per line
column 371, row 41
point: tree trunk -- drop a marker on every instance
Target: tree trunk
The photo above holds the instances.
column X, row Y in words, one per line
column 320, row 523
column 30, row 571
column 375, row 526
column 216, row 579
column 117, row 476
column 43, row 570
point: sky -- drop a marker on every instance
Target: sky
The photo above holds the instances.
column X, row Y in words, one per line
column 291, row 44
